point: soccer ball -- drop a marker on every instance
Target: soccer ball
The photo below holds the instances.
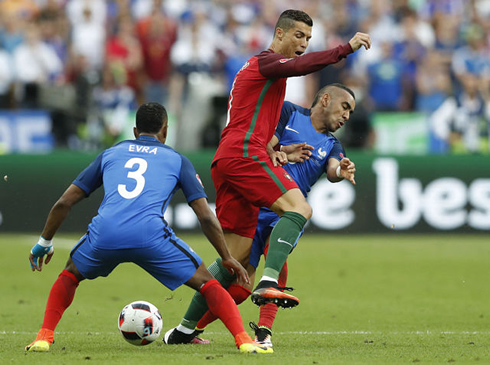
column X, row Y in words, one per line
column 140, row 323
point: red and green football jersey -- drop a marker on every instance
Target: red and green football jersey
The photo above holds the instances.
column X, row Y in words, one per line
column 257, row 95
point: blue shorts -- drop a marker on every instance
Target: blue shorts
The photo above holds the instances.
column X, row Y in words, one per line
column 266, row 222
column 172, row 262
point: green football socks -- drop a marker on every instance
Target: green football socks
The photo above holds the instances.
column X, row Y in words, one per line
column 283, row 237
column 198, row 306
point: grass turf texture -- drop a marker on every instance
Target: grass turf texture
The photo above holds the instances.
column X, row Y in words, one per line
column 364, row 299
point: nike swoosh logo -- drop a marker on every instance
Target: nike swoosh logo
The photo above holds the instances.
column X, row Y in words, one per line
column 291, row 129
column 282, row 241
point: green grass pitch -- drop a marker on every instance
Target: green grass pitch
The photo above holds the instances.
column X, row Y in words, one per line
column 364, row 299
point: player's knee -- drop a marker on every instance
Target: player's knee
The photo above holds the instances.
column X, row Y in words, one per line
column 200, row 277
column 308, row 211
column 71, row 267
column 292, row 201
column 304, row 209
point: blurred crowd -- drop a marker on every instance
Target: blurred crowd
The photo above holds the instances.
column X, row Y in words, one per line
column 91, row 62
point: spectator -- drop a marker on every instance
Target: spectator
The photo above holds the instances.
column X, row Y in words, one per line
column 76, row 11
column 88, row 36
column 380, row 22
column 358, row 132
column 194, row 57
column 446, row 28
column 473, row 57
column 124, row 49
column 6, row 78
column 11, row 32
column 433, row 82
column 68, row 124
column 114, row 102
column 157, row 34
column 387, row 81
column 35, row 63
column 235, row 49
column 194, row 50
column 18, row 9
column 458, row 123
column 410, row 50
column 54, row 28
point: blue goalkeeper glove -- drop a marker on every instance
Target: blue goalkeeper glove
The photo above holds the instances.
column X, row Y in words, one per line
column 41, row 248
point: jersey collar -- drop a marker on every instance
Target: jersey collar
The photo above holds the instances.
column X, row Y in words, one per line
column 147, row 138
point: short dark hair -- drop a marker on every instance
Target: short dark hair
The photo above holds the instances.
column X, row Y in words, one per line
column 289, row 17
column 150, row 118
column 325, row 89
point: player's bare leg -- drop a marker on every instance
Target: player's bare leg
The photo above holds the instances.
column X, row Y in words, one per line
column 239, row 246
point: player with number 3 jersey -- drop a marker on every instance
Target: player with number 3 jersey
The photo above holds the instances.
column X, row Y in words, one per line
column 139, row 177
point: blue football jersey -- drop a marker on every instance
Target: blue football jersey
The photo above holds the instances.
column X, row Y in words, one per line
column 139, row 178
column 295, row 127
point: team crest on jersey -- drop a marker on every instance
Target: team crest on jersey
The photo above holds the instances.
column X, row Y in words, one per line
column 284, row 60
column 286, row 175
column 341, row 155
column 322, row 153
column 199, row 179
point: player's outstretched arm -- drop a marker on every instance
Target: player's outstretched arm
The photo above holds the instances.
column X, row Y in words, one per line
column 56, row 217
column 214, row 233
column 339, row 170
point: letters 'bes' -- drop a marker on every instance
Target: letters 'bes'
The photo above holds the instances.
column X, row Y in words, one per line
column 443, row 204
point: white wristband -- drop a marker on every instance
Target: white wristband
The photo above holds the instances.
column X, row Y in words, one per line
column 44, row 242
column 338, row 172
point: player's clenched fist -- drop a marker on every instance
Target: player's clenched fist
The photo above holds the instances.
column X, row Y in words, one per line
column 360, row 39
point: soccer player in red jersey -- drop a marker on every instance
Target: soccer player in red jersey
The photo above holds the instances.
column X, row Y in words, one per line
column 247, row 175
column 246, row 170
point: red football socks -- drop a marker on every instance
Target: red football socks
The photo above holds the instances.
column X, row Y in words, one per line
column 268, row 312
column 60, row 298
column 221, row 305
column 237, row 292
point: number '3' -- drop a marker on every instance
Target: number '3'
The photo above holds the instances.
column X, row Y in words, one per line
column 136, row 175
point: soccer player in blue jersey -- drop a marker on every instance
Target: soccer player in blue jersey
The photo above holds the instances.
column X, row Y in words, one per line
column 315, row 126
column 305, row 136
column 139, row 177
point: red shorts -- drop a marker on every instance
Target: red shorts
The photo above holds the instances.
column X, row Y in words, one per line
column 243, row 186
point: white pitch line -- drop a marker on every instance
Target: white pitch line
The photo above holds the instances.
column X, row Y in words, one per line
column 327, row 333
column 387, row 333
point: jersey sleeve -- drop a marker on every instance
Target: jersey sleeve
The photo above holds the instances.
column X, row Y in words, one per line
column 286, row 112
column 189, row 181
column 90, row 179
column 337, row 151
column 274, row 65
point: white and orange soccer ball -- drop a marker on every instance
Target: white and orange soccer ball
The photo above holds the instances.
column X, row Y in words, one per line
column 140, row 323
